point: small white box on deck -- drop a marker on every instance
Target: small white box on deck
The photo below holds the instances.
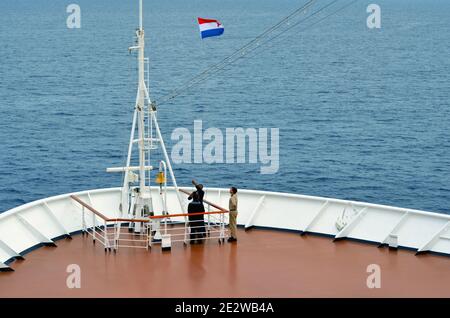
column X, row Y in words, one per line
column 166, row 242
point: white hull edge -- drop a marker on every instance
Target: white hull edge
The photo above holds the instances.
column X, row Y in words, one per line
column 41, row 221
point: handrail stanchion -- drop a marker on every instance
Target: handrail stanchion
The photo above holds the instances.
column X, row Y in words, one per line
column 165, row 226
column 106, row 235
column 223, row 226
column 83, row 221
column 93, row 227
column 209, row 218
column 116, row 226
column 186, row 225
column 148, row 237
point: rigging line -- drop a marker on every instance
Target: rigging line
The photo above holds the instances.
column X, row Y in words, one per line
column 199, row 80
column 306, row 27
column 275, row 36
column 276, row 26
column 188, row 84
column 268, row 31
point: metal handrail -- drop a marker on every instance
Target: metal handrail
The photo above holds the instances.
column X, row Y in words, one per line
column 185, row 214
column 206, row 201
column 102, row 216
column 87, row 206
column 108, row 242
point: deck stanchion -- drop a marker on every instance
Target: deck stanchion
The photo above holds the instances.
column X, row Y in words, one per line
column 209, row 217
column 149, row 236
column 186, row 224
column 106, row 235
column 93, row 227
column 83, row 221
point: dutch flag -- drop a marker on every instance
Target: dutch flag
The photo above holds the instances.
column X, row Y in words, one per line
column 209, row 27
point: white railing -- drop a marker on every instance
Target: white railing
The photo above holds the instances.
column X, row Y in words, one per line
column 162, row 230
column 159, row 229
column 109, row 231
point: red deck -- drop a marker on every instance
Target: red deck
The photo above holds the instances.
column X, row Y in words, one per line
column 264, row 263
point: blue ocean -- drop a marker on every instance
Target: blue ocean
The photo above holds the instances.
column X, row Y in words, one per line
column 363, row 114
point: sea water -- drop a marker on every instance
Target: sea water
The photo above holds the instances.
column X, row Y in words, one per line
column 362, row 113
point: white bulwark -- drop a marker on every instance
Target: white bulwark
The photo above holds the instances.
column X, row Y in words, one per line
column 41, row 222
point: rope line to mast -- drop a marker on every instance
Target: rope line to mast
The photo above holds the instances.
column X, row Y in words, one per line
column 250, row 46
column 206, row 72
column 306, row 27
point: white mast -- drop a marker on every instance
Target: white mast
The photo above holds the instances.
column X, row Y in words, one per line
column 145, row 120
column 140, row 105
column 140, row 15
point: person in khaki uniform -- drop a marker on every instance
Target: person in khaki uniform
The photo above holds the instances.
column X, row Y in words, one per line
column 232, row 207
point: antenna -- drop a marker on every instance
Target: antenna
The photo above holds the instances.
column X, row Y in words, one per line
column 140, row 15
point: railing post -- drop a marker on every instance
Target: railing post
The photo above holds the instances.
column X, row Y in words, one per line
column 209, row 218
column 83, row 221
column 117, row 227
column 223, row 226
column 165, row 226
column 93, row 227
column 106, row 235
column 222, row 229
column 186, row 224
column 148, row 236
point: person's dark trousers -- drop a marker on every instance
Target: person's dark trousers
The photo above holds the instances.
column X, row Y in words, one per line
column 193, row 235
column 197, row 230
column 201, row 229
column 196, row 222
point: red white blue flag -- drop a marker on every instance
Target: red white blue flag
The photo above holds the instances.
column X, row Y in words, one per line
column 209, row 27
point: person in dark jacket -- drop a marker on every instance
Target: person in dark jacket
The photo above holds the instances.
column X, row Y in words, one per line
column 199, row 191
column 196, row 222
